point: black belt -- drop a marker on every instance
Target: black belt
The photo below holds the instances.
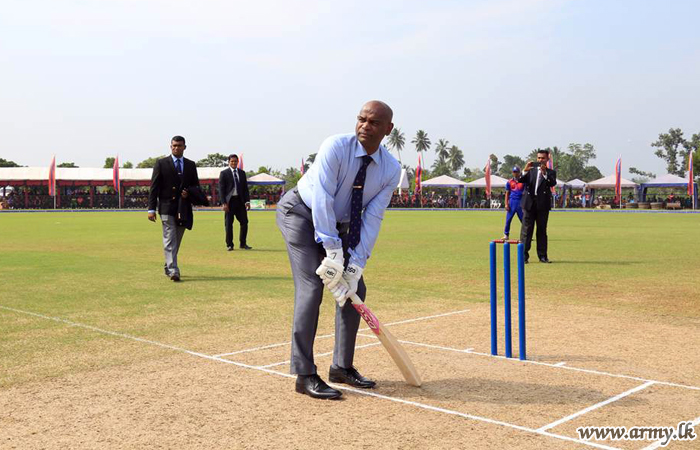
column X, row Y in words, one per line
column 342, row 227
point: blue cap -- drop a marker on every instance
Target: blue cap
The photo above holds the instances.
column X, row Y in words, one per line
column 516, row 169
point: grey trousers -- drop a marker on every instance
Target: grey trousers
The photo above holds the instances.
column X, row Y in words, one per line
column 305, row 254
column 172, row 237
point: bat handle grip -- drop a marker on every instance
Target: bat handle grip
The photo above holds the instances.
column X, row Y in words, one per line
column 356, row 300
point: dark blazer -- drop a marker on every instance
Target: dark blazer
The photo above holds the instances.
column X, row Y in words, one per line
column 544, row 192
column 226, row 186
column 166, row 184
column 184, row 207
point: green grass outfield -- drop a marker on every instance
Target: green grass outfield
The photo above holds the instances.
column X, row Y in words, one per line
column 105, row 269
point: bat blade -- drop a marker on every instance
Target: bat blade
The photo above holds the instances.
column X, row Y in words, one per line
column 392, row 346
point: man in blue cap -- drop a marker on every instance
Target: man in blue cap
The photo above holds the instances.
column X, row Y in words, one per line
column 514, row 192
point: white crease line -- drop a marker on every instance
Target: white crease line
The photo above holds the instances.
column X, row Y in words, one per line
column 286, row 375
column 265, row 347
column 528, row 361
column 281, row 363
column 560, row 364
column 658, row 443
column 596, row 406
column 330, row 335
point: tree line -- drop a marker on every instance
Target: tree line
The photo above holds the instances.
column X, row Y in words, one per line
column 572, row 162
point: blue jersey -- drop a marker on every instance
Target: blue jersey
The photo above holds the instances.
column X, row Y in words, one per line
column 516, row 189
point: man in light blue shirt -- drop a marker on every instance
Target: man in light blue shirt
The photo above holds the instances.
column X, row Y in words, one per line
column 330, row 223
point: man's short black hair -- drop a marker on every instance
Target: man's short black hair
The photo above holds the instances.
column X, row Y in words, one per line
column 232, row 155
column 178, row 139
column 543, row 151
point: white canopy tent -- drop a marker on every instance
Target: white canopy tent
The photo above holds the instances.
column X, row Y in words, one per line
column 609, row 183
column 576, row 184
column 264, row 179
column 496, row 183
column 445, row 181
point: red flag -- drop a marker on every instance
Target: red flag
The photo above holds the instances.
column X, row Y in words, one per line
column 419, row 172
column 488, row 177
column 302, row 166
column 618, row 176
column 52, row 177
column 240, row 162
column 115, row 174
column 691, row 185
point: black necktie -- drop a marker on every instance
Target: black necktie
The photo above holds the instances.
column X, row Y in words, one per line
column 356, row 203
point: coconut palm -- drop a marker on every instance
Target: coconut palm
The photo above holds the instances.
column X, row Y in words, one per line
column 396, row 141
column 441, row 149
column 421, row 141
column 455, row 158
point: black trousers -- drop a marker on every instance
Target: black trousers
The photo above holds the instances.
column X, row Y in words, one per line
column 236, row 208
column 531, row 218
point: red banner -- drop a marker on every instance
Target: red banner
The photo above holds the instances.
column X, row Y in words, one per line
column 52, row 177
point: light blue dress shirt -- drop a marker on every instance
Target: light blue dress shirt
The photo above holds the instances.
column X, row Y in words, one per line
column 327, row 189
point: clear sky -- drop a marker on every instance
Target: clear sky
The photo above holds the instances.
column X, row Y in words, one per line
column 272, row 78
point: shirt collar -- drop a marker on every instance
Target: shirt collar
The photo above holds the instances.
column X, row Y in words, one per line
column 175, row 158
column 360, row 152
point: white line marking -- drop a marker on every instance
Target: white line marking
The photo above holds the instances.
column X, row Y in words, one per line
column 528, row 361
column 281, row 363
column 265, row 347
column 286, row 375
column 467, row 350
column 560, row 364
column 658, row 443
column 326, row 336
column 596, row 406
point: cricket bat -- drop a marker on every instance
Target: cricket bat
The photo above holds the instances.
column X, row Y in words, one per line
column 392, row 346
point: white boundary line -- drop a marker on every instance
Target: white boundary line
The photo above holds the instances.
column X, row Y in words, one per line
column 326, row 336
column 596, row 406
column 539, row 363
column 286, row 375
column 658, row 443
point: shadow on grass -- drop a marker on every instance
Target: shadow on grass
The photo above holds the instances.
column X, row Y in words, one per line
column 598, row 263
column 194, row 278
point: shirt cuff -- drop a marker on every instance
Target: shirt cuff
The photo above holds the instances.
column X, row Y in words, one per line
column 151, row 211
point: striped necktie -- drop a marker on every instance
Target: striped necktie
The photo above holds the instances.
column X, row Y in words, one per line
column 356, row 203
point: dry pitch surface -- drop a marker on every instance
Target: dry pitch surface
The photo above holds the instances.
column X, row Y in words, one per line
column 100, row 350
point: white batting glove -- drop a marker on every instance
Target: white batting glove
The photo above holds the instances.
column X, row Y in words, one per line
column 340, row 292
column 331, row 269
column 352, row 277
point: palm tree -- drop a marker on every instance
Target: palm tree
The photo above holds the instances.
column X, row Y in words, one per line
column 441, row 149
column 455, row 158
column 421, row 141
column 397, row 141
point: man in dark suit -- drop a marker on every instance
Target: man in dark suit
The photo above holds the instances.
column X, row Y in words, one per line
column 235, row 201
column 536, row 203
column 172, row 176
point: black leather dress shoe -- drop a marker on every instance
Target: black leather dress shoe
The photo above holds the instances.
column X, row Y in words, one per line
column 545, row 260
column 246, row 247
column 350, row 376
column 314, row 386
column 175, row 278
column 230, row 248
